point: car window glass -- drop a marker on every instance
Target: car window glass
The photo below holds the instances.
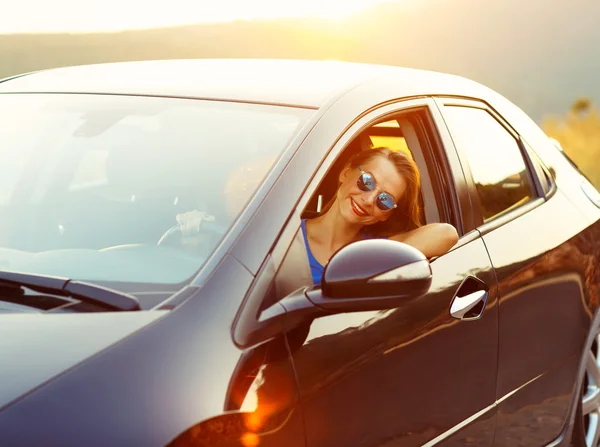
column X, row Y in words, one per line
column 294, row 271
column 495, row 160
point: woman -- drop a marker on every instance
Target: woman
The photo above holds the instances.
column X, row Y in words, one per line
column 378, row 197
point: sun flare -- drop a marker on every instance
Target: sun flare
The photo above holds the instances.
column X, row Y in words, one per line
column 100, row 15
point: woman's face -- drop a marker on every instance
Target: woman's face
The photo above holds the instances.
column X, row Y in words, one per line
column 360, row 207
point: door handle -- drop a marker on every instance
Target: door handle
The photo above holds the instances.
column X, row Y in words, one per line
column 463, row 304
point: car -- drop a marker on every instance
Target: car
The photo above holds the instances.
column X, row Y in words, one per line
column 117, row 329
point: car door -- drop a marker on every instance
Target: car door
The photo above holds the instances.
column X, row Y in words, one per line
column 531, row 232
column 410, row 376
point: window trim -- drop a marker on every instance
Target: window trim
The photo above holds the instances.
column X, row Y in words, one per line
column 412, row 127
column 503, row 218
column 539, row 168
column 450, row 168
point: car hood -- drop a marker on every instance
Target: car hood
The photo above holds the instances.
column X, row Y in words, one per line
column 35, row 348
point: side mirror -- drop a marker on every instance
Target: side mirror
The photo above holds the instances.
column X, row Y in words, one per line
column 374, row 274
column 376, row 268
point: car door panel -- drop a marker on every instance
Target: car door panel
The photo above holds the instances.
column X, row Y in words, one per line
column 544, row 319
column 533, row 236
column 407, row 376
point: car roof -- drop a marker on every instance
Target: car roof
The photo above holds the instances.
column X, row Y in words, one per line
column 298, row 83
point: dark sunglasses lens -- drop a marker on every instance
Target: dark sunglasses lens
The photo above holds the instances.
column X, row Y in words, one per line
column 385, row 202
column 365, row 182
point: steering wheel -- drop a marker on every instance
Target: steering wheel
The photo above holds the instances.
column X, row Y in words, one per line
column 212, row 230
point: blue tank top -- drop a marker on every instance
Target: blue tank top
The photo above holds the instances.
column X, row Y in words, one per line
column 316, row 268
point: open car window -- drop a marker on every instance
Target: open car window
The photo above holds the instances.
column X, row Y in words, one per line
column 399, row 133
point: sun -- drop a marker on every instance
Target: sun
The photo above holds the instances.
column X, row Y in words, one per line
column 340, row 9
column 327, row 9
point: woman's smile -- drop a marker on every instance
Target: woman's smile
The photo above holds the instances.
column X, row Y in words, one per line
column 358, row 210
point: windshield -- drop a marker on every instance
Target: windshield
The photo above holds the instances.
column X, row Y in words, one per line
column 89, row 184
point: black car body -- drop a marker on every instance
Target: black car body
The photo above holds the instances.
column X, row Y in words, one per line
column 491, row 344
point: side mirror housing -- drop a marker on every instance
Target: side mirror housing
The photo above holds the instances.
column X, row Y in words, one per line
column 376, row 268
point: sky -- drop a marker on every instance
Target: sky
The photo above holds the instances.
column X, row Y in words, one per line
column 114, row 15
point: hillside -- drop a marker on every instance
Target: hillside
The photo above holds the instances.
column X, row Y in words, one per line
column 541, row 53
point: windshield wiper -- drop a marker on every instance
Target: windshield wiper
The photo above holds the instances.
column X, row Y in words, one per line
column 79, row 290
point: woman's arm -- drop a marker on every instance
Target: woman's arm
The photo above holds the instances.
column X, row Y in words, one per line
column 432, row 240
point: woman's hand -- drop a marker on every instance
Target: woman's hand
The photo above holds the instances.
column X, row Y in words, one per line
column 191, row 221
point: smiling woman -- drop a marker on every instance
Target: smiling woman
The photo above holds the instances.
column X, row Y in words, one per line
column 377, row 197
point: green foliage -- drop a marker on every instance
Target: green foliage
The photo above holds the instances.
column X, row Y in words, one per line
column 579, row 134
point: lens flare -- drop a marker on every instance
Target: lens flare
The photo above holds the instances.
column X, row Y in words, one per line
column 250, row 440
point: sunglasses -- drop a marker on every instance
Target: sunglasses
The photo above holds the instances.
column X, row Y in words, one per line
column 366, row 182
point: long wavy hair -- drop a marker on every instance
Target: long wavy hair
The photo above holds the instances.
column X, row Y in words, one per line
column 407, row 215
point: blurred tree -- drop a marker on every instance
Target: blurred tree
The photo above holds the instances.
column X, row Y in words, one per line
column 579, row 134
column 581, row 106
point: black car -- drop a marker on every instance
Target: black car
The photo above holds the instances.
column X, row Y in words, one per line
column 116, row 331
